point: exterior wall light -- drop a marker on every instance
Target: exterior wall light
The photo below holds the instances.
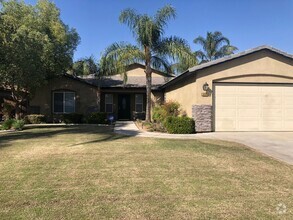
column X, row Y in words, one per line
column 205, row 87
column 207, row 91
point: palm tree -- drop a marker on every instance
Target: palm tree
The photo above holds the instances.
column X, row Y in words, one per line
column 152, row 49
column 84, row 67
column 214, row 46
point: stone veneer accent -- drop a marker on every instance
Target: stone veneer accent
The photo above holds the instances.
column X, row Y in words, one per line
column 202, row 115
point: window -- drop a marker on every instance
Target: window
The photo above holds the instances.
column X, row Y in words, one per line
column 63, row 102
column 109, row 103
column 139, row 102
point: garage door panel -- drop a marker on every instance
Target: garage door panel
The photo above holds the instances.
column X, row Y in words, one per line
column 271, row 125
column 248, row 100
column 248, row 112
column 227, row 89
column 288, row 114
column 272, row 100
column 224, row 124
column 269, row 89
column 227, row 101
column 227, row 112
column 289, row 124
column 245, row 124
column 272, row 113
column 288, row 100
column 287, row 91
column 254, row 107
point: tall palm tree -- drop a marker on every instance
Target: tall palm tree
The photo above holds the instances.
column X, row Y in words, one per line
column 152, row 49
column 214, row 46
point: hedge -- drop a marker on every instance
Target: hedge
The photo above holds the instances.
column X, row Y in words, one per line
column 35, row 119
column 97, row 118
column 73, row 118
column 179, row 125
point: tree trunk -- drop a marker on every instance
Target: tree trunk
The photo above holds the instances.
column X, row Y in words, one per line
column 17, row 111
column 148, row 72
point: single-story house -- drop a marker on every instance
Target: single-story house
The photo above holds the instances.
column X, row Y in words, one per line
column 248, row 91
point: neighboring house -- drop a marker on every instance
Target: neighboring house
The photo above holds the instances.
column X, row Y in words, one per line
column 248, row 91
column 126, row 101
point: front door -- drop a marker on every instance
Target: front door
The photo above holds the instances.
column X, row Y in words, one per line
column 123, row 107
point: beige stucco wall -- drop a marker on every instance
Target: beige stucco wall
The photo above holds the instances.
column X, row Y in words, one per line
column 140, row 72
column 260, row 67
column 87, row 97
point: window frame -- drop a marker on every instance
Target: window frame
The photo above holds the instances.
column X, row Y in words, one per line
column 110, row 103
column 142, row 105
column 64, row 102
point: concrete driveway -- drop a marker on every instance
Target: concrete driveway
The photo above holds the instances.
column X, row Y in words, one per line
column 275, row 144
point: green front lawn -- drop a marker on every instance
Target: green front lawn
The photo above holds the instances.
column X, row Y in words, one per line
column 88, row 172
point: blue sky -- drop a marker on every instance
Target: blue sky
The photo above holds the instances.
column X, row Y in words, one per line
column 247, row 24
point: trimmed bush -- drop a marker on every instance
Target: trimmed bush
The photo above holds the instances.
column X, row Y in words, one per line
column 97, row 118
column 7, row 124
column 18, row 124
column 179, row 125
column 35, row 119
column 72, row 118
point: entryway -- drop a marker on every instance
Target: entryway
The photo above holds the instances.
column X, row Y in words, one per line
column 124, row 107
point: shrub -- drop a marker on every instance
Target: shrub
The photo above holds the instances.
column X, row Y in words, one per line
column 35, row 119
column 72, row 118
column 18, row 124
column 179, row 125
column 170, row 108
column 97, row 118
column 6, row 109
column 159, row 114
column 7, row 124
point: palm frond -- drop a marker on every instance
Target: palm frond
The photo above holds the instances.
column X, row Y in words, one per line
column 161, row 64
column 201, row 56
column 214, row 46
column 118, row 57
column 225, row 51
column 176, row 49
column 130, row 18
column 200, row 40
column 163, row 15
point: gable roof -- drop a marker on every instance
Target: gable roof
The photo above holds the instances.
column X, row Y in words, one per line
column 116, row 81
column 192, row 70
column 137, row 81
column 135, row 65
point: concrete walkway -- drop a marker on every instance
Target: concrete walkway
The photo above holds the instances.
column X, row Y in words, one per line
column 275, row 144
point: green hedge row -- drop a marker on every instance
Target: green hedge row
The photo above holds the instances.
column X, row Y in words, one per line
column 179, row 125
column 92, row 118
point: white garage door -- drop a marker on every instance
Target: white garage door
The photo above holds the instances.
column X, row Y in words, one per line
column 253, row 107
